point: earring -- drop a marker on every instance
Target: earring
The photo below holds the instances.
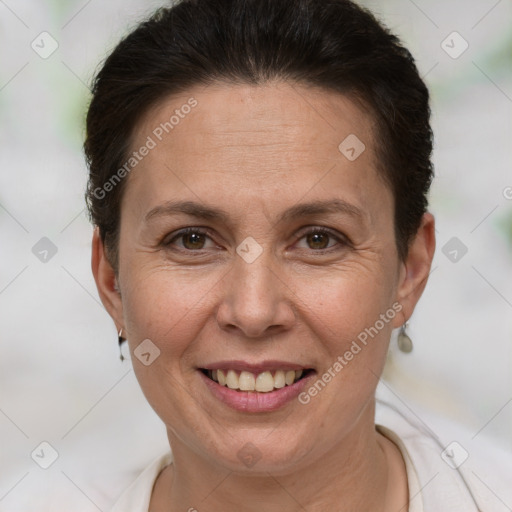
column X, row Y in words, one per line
column 403, row 340
column 120, row 340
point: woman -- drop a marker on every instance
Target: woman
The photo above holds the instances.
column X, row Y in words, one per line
column 258, row 181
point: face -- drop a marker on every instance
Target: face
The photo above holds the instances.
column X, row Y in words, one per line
column 289, row 262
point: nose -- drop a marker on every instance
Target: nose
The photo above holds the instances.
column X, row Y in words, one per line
column 257, row 301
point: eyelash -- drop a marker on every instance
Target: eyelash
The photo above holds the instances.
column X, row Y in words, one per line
column 343, row 241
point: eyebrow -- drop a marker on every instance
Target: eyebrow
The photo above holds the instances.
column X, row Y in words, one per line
column 200, row 211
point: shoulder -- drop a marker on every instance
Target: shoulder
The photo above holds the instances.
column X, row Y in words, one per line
column 455, row 470
column 137, row 497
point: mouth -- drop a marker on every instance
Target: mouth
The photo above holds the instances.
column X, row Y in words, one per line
column 263, row 382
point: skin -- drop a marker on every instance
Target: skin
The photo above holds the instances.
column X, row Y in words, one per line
column 256, row 151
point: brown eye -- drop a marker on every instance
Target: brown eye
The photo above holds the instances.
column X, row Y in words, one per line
column 323, row 240
column 318, row 240
column 193, row 240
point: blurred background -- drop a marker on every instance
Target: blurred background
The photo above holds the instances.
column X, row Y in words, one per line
column 61, row 380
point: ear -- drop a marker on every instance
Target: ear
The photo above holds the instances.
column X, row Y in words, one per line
column 415, row 269
column 106, row 280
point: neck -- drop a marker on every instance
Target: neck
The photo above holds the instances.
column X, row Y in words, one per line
column 352, row 475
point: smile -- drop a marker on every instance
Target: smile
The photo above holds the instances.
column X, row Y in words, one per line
column 263, row 382
column 257, row 391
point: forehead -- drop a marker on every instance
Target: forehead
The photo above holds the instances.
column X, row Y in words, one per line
column 263, row 115
column 276, row 138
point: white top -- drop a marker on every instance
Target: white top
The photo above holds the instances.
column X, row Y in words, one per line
column 439, row 480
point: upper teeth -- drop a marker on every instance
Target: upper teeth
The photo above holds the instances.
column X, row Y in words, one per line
column 247, row 381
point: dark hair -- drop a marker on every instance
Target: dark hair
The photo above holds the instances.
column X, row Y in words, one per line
column 336, row 45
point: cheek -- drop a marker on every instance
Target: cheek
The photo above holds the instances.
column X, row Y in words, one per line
column 350, row 316
column 351, row 311
column 165, row 305
column 344, row 305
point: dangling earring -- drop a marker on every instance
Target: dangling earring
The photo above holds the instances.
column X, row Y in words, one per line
column 403, row 340
column 120, row 339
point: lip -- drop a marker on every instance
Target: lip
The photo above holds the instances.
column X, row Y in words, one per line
column 254, row 402
column 269, row 365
